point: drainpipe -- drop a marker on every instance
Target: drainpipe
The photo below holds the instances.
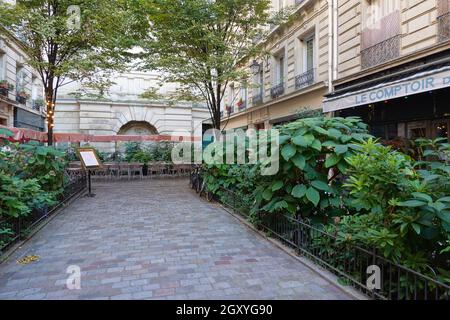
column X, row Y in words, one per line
column 335, row 39
column 330, row 46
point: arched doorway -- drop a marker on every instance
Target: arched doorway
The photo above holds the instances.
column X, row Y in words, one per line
column 137, row 128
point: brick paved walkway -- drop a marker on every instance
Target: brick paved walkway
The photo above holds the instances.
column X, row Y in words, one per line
column 156, row 239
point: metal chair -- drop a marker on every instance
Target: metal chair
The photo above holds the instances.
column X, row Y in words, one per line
column 124, row 169
column 113, row 169
column 136, row 170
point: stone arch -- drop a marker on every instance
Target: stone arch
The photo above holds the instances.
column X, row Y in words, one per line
column 152, row 115
column 137, row 128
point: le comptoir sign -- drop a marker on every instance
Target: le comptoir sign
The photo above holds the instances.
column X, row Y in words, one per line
column 394, row 90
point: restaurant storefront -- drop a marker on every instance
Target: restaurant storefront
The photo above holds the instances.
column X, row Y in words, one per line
column 410, row 104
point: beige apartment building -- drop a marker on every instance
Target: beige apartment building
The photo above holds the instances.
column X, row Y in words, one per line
column 21, row 103
column 387, row 61
column 293, row 78
column 394, row 66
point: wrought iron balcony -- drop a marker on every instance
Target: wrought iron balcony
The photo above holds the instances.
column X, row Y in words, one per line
column 384, row 51
column 257, row 99
column 444, row 27
column 277, row 90
column 21, row 99
column 305, row 79
column 37, row 105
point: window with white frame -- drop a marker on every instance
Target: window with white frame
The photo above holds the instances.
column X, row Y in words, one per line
column 309, row 54
column 242, row 102
column 375, row 10
column 21, row 77
column 259, row 82
column 280, row 69
column 2, row 66
column 305, row 67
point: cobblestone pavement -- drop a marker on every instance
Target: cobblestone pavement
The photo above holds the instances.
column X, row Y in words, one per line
column 156, row 240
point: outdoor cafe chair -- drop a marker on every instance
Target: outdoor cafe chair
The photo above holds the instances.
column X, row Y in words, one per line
column 124, row 170
column 113, row 169
column 136, row 169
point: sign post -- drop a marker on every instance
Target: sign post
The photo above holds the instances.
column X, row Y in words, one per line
column 89, row 160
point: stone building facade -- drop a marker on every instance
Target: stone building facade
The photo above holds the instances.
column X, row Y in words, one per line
column 21, row 103
column 293, row 78
column 385, row 61
column 122, row 111
column 394, row 67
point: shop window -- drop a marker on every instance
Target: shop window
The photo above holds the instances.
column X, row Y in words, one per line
column 441, row 129
column 260, row 126
column 417, row 130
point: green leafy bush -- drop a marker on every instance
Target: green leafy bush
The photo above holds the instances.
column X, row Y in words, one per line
column 312, row 161
column 399, row 206
column 343, row 181
column 31, row 177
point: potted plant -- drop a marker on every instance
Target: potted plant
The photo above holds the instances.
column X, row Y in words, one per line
column 228, row 108
column 144, row 158
column 23, row 94
column 38, row 103
column 5, row 87
column 240, row 104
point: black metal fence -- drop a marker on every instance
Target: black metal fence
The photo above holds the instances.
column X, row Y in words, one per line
column 15, row 229
column 354, row 265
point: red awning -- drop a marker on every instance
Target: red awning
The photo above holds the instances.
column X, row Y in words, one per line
column 22, row 135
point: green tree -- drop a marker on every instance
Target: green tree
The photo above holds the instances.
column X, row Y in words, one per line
column 69, row 40
column 203, row 45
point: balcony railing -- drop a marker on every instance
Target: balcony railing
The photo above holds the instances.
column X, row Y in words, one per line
column 305, row 79
column 381, row 41
column 381, row 52
column 37, row 105
column 21, row 100
column 257, row 99
column 444, row 27
column 4, row 92
column 277, row 91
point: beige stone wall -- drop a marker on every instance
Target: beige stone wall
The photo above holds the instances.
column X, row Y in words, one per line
column 418, row 25
column 108, row 117
column 311, row 21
